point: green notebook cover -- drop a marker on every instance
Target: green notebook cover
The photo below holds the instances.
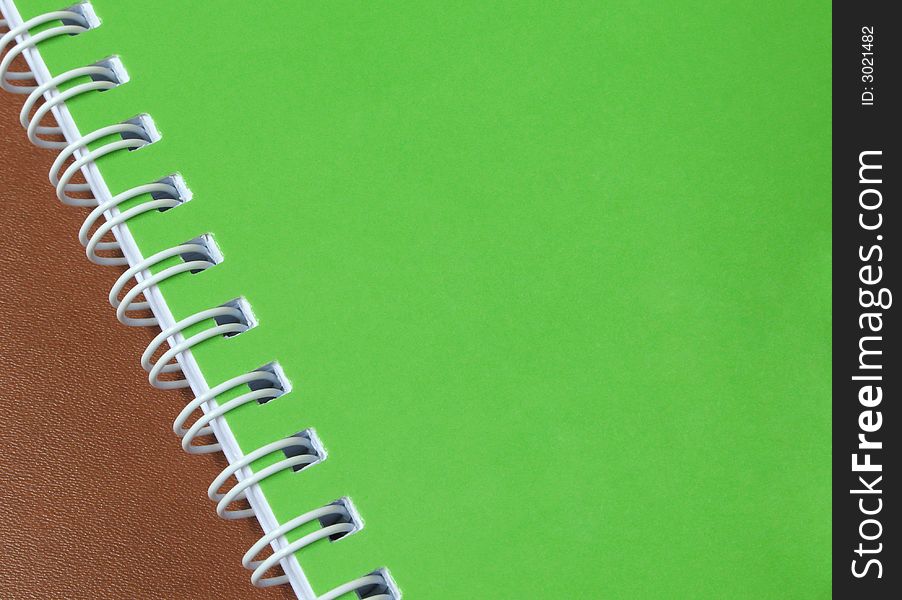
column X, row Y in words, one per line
column 551, row 280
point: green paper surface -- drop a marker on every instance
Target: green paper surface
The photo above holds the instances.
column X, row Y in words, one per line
column 551, row 280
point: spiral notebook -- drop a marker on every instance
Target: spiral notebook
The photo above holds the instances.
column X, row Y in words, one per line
column 479, row 299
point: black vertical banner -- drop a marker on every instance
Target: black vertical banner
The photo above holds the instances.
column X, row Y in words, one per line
column 866, row 265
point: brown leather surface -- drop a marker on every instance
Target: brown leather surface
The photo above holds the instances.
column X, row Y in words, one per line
column 98, row 499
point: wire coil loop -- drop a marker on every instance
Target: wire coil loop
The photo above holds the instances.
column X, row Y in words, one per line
column 128, row 304
column 62, row 182
column 224, row 329
column 146, row 358
column 37, row 94
column 239, row 491
column 32, row 125
column 260, row 567
column 94, row 243
column 201, row 424
column 7, row 76
column 178, row 425
column 62, row 185
column 359, row 585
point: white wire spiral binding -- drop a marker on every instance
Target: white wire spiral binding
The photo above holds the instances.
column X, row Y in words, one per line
column 182, row 346
column 14, row 75
column 127, row 304
column 62, row 182
column 260, row 567
column 202, row 424
column 93, row 243
column 70, row 150
column 160, row 339
column 178, row 425
column 239, row 492
column 369, row 581
column 6, row 76
column 34, row 129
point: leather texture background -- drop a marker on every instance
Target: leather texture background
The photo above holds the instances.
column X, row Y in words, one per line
column 98, row 499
